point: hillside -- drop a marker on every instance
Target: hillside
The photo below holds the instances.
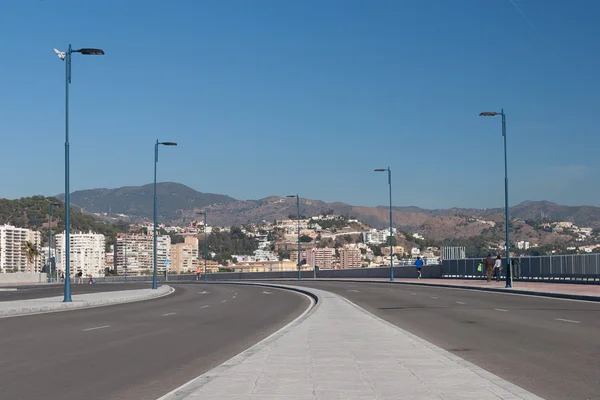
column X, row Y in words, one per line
column 138, row 201
column 22, row 213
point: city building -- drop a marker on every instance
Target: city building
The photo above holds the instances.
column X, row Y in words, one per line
column 522, row 245
column 377, row 237
column 136, row 252
column 350, row 257
column 12, row 255
column 322, row 258
column 184, row 256
column 87, row 251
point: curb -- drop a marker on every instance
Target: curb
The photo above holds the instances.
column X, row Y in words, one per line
column 22, row 310
column 187, row 389
column 465, row 287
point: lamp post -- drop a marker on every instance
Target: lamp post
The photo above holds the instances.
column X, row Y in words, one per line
column 298, row 209
column 125, row 251
column 154, row 283
column 389, row 172
column 36, row 247
column 50, row 240
column 507, row 243
column 66, row 56
column 205, row 252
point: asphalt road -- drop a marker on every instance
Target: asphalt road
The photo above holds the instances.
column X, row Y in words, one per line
column 550, row 347
column 137, row 350
column 51, row 290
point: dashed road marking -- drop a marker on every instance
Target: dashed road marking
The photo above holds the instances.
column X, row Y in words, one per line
column 433, row 297
column 205, row 306
column 500, row 309
column 353, row 290
column 203, row 292
column 167, row 314
column 96, row 327
column 568, row 320
column 223, row 301
column 460, row 302
column 265, row 292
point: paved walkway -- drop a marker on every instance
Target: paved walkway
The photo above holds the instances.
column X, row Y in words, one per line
column 50, row 304
column 339, row 351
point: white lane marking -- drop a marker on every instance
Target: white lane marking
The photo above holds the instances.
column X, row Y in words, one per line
column 96, row 327
column 205, row 306
column 567, row 320
column 433, row 297
column 234, row 297
column 500, row 309
column 265, row 292
column 223, row 301
column 167, row 314
column 353, row 290
column 460, row 302
column 203, row 292
column 8, row 290
column 235, row 294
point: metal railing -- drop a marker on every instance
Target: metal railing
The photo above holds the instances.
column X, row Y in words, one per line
column 557, row 267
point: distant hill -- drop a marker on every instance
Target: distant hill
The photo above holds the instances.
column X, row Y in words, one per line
column 137, row 201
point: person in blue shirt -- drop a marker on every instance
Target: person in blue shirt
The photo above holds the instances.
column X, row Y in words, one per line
column 419, row 264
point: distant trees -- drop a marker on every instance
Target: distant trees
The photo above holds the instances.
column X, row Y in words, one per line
column 225, row 244
column 30, row 250
column 305, row 239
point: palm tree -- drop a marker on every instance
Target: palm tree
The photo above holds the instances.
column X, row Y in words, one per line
column 31, row 251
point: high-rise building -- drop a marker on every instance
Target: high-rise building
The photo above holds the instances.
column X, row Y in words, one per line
column 12, row 255
column 87, row 253
column 184, row 255
column 350, row 257
column 137, row 251
column 322, row 258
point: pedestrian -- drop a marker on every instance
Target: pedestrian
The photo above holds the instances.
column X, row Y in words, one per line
column 419, row 264
column 497, row 267
column 198, row 273
column 489, row 267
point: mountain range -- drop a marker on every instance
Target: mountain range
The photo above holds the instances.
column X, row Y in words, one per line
column 178, row 203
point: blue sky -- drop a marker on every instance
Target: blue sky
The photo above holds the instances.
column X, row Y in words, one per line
column 271, row 97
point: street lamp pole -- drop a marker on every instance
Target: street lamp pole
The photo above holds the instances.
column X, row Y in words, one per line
column 509, row 271
column 66, row 56
column 125, row 251
column 154, row 281
column 35, row 246
column 298, row 210
column 389, row 172
column 205, row 252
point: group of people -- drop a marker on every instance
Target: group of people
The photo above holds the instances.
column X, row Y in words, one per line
column 492, row 267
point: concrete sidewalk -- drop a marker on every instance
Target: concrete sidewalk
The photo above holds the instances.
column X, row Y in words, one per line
column 51, row 304
column 339, row 351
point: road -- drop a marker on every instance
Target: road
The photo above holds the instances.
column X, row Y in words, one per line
column 51, row 290
column 550, row 347
column 137, row 350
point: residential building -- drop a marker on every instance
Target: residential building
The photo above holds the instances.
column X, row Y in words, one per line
column 12, row 256
column 184, row 256
column 377, row 237
column 322, row 258
column 87, row 252
column 522, row 245
column 350, row 257
column 136, row 252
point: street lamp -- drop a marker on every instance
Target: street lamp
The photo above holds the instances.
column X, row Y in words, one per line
column 389, row 171
column 50, row 240
column 154, row 285
column 66, row 56
column 507, row 243
column 298, row 209
column 205, row 252
column 125, row 251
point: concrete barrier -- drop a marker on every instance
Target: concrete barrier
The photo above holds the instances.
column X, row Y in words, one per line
column 22, row 277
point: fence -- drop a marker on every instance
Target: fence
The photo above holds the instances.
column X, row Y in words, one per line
column 559, row 267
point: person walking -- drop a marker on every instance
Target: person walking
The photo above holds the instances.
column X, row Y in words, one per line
column 497, row 267
column 198, row 271
column 419, row 265
column 489, row 267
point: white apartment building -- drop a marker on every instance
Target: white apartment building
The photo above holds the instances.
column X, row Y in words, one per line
column 350, row 257
column 87, row 253
column 522, row 245
column 12, row 256
column 137, row 250
column 377, row 237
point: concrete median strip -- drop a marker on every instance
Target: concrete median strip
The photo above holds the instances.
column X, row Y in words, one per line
column 338, row 350
column 80, row 301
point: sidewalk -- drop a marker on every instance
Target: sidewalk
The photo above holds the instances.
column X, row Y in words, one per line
column 51, row 304
column 339, row 351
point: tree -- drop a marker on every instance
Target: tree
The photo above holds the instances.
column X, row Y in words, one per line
column 176, row 238
column 305, row 239
column 30, row 250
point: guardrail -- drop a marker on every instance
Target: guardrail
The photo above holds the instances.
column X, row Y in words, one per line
column 429, row 271
column 584, row 267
